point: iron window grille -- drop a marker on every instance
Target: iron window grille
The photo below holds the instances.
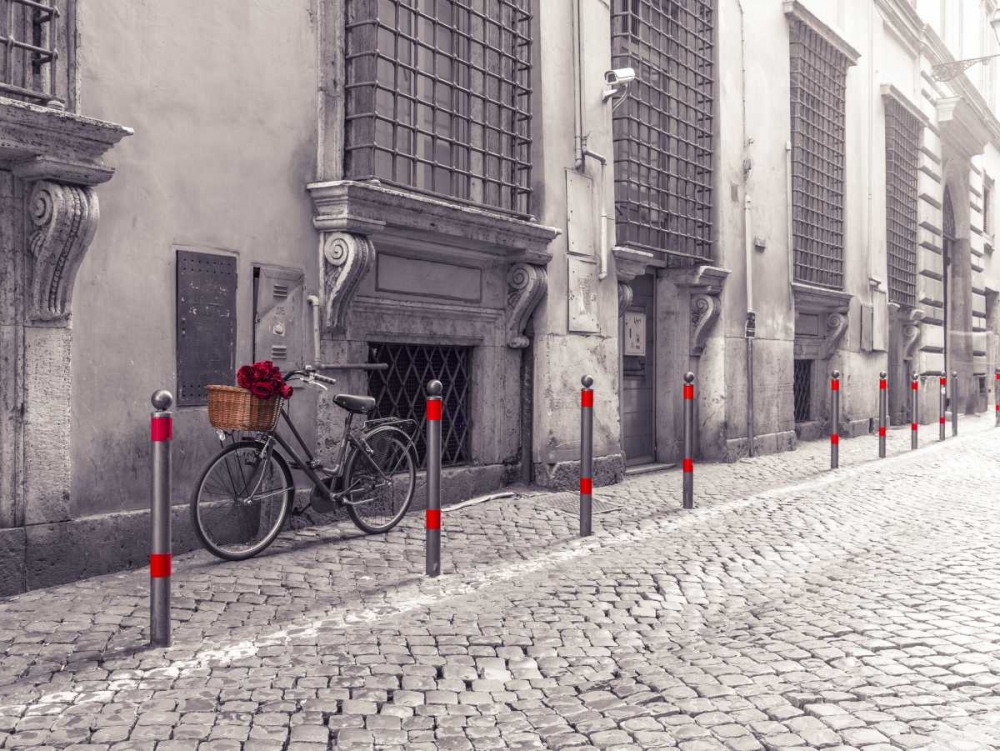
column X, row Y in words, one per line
column 902, row 149
column 29, row 50
column 802, row 390
column 439, row 98
column 819, row 82
column 400, row 391
column 663, row 130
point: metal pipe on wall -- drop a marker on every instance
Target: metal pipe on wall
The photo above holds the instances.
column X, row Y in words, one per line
column 747, row 234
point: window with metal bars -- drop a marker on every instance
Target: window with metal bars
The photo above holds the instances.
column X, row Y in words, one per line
column 400, row 391
column 29, row 50
column 663, row 130
column 802, row 390
column 902, row 149
column 439, row 98
column 819, row 81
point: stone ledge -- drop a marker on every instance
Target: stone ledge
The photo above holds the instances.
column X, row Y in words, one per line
column 608, row 470
column 41, row 143
column 403, row 217
column 764, row 445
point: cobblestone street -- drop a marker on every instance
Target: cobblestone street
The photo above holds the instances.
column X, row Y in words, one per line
column 794, row 608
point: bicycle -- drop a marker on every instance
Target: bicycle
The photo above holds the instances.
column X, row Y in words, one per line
column 244, row 496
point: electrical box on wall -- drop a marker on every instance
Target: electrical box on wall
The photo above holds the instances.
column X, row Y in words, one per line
column 206, row 324
column 279, row 316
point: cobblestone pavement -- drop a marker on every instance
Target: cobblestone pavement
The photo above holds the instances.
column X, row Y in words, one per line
column 794, row 608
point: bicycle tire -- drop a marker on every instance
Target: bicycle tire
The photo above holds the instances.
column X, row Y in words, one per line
column 238, row 518
column 392, row 445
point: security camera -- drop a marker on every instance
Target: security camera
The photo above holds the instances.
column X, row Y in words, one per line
column 620, row 76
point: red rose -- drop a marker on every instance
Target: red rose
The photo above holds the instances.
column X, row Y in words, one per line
column 262, row 390
column 262, row 370
column 286, row 391
column 244, row 377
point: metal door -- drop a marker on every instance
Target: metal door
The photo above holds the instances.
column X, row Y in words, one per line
column 638, row 339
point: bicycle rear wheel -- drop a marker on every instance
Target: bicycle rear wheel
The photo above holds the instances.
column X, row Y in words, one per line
column 241, row 500
column 380, row 484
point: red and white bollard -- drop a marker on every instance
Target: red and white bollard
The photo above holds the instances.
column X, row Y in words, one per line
column 161, row 433
column 883, row 413
column 914, row 389
column 996, row 398
column 688, row 466
column 835, row 420
column 586, row 456
column 941, row 406
column 433, row 515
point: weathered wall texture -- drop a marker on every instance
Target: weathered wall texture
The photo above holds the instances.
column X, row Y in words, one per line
column 222, row 97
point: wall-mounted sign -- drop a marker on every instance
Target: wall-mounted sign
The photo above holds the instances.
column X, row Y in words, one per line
column 635, row 334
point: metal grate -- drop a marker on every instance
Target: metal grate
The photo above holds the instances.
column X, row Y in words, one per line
column 663, row 130
column 400, row 391
column 438, row 98
column 819, row 79
column 28, row 49
column 902, row 149
column 802, row 390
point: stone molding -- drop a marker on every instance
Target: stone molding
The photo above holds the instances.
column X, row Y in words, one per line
column 41, row 143
column 912, row 334
column 795, row 9
column 630, row 263
column 961, row 126
column 625, row 297
column 836, row 327
column 526, row 286
column 888, row 91
column 65, row 219
column 707, row 279
column 705, row 310
column 447, row 228
column 706, row 284
column 346, row 258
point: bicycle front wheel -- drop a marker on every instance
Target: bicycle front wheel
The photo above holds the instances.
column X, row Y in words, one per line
column 241, row 500
column 380, row 482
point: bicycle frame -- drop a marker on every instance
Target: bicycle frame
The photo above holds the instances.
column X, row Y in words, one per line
column 311, row 464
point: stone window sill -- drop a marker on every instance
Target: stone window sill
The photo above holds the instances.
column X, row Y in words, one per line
column 437, row 226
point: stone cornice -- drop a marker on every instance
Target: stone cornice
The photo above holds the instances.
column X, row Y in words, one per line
column 891, row 92
column 795, row 9
column 41, row 143
column 706, row 279
column 383, row 212
column 937, row 52
column 630, row 263
column 903, row 21
column 819, row 299
column 961, row 125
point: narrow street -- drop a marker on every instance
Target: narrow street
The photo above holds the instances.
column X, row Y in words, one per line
column 794, row 608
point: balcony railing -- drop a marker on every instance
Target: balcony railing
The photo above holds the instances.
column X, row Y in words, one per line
column 29, row 53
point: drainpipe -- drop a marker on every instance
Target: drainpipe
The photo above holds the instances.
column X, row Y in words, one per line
column 747, row 230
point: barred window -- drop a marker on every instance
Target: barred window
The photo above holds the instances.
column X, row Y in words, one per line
column 28, row 49
column 819, row 81
column 663, row 130
column 902, row 149
column 399, row 391
column 438, row 98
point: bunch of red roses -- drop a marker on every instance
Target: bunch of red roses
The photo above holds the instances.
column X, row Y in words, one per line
column 263, row 380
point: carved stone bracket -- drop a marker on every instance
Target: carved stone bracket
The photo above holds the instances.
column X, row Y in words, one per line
column 345, row 260
column 526, row 285
column 836, row 327
column 705, row 311
column 912, row 334
column 64, row 218
column 625, row 295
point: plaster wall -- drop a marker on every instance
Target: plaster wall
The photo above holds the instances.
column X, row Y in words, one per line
column 224, row 143
column 562, row 356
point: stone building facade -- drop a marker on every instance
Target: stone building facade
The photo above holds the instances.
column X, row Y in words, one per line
column 457, row 190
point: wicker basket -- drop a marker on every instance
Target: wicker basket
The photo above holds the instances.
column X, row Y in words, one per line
column 233, row 408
